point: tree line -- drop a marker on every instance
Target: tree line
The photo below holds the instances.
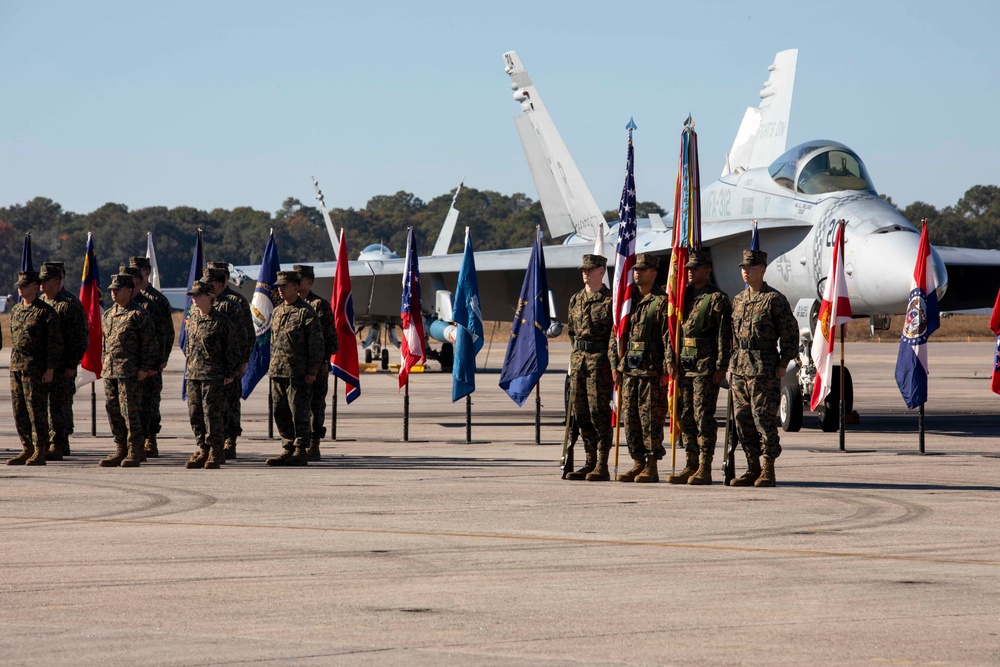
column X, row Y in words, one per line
column 238, row 235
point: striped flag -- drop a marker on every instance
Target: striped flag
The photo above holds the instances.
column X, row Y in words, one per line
column 624, row 285
column 995, row 327
column 412, row 345
column 922, row 319
column 90, row 297
column 834, row 311
column 344, row 363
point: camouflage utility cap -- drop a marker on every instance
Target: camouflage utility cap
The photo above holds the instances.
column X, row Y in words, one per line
column 219, row 265
column 644, row 260
column 130, row 271
column 285, row 277
column 49, row 272
column 214, row 274
column 754, row 258
column 122, row 280
column 139, row 263
column 25, row 278
column 699, row 258
column 593, row 262
column 59, row 267
column 201, row 287
column 304, row 271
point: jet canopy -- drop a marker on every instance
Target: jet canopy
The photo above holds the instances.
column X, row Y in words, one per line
column 820, row 167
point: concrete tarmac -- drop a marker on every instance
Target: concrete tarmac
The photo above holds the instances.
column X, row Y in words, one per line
column 435, row 551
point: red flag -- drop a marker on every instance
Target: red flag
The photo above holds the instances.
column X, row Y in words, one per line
column 345, row 360
column 834, row 310
column 90, row 297
column 995, row 326
column 412, row 345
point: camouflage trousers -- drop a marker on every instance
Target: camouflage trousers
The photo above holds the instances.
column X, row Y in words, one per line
column 206, row 401
column 60, row 404
column 317, row 405
column 644, row 410
column 149, row 415
column 291, row 400
column 755, row 410
column 698, row 398
column 29, row 397
column 233, row 417
column 591, row 387
column 122, row 400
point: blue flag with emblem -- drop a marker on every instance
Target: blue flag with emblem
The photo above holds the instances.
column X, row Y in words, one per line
column 26, row 264
column 922, row 319
column 468, row 321
column 265, row 298
column 197, row 267
column 528, row 350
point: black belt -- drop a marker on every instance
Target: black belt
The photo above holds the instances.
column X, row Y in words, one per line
column 590, row 346
column 754, row 345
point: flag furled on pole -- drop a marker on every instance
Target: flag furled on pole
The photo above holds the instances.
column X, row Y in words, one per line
column 922, row 319
column 344, row 363
column 834, row 310
column 197, row 267
column 995, row 327
column 527, row 354
column 154, row 269
column 265, row 298
column 26, row 264
column 624, row 284
column 412, row 345
column 90, row 297
column 468, row 319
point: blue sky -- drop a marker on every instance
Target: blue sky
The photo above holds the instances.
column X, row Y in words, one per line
column 223, row 104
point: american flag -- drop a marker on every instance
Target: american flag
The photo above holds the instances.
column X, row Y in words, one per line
column 625, row 251
column 412, row 346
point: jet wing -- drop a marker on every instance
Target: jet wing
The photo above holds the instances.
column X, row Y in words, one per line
column 973, row 278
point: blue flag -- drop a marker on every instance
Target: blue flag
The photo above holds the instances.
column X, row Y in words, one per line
column 468, row 321
column 265, row 298
column 197, row 267
column 26, row 264
column 922, row 319
column 528, row 350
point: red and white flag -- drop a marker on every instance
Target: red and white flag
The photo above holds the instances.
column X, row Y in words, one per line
column 833, row 311
column 995, row 326
column 412, row 345
column 344, row 363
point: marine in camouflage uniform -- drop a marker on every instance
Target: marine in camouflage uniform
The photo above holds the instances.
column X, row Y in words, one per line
column 163, row 324
column 331, row 344
column 36, row 348
column 130, row 354
column 643, row 367
column 232, row 308
column 213, row 363
column 765, row 340
column 145, row 386
column 706, row 347
column 296, row 360
column 76, row 337
column 234, row 423
column 590, row 325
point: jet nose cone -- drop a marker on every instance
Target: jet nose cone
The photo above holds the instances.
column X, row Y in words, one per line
column 880, row 271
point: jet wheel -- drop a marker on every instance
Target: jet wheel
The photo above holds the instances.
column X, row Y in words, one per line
column 385, row 359
column 790, row 408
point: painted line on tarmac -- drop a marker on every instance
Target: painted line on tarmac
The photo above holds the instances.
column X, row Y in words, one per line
column 531, row 538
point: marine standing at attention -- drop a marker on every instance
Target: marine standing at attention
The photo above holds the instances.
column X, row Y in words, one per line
column 706, row 347
column 590, row 324
column 163, row 325
column 76, row 337
column 36, row 349
column 765, row 340
column 296, row 360
column 331, row 344
column 643, row 372
column 213, row 363
column 131, row 354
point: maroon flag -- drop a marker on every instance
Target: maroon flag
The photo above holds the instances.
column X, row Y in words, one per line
column 344, row 362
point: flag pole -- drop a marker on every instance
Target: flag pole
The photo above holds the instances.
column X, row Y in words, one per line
column 333, row 411
column 538, row 413
column 406, row 408
column 270, row 412
column 920, row 422
column 618, row 429
column 93, row 410
column 468, row 418
column 843, row 407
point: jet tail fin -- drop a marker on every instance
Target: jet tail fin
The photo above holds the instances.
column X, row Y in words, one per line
column 566, row 200
column 763, row 133
column 448, row 228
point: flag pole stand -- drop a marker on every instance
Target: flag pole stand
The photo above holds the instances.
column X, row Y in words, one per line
column 538, row 412
column 843, row 417
column 93, row 409
column 333, row 411
column 270, row 412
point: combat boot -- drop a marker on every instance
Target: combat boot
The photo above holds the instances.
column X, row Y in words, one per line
column 767, row 473
column 750, row 476
column 215, row 457
column 229, row 449
column 150, row 447
column 199, row 457
column 638, row 465
column 649, row 474
column 65, row 446
column 312, row 453
column 286, row 453
column 38, row 456
column 587, row 468
column 114, row 460
column 601, row 472
column 704, row 473
column 27, row 451
column 689, row 469
column 134, row 458
column 55, row 452
column 299, row 457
